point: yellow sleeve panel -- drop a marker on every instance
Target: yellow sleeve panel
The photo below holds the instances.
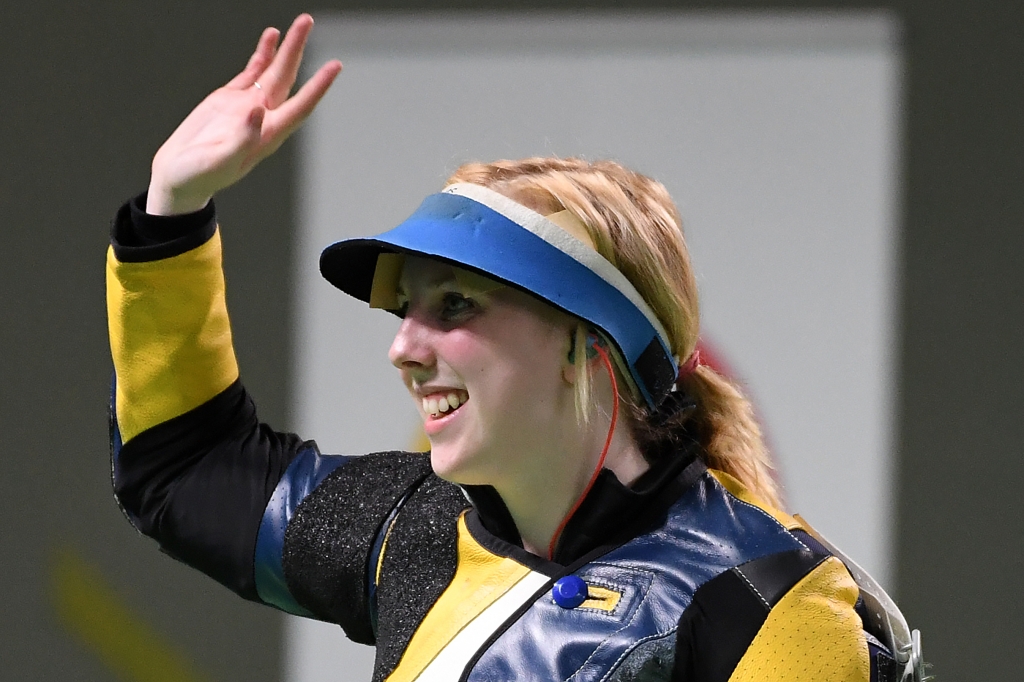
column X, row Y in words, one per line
column 740, row 491
column 812, row 635
column 169, row 335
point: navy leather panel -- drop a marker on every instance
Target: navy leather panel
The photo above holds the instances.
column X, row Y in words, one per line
column 306, row 472
column 707, row 532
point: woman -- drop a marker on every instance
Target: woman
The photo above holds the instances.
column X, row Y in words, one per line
column 596, row 504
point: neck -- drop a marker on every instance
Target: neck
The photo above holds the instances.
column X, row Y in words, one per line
column 539, row 500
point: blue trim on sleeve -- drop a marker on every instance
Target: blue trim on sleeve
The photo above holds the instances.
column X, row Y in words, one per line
column 304, row 474
column 115, row 453
column 115, row 430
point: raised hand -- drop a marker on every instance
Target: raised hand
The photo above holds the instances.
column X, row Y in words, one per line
column 238, row 125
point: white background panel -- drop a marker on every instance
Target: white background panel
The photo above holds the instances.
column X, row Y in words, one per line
column 778, row 139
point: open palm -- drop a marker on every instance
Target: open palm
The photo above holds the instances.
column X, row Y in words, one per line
column 238, row 125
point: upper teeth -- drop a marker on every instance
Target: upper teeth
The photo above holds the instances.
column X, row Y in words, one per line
column 436, row 406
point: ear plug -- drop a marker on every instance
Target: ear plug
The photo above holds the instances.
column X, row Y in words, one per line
column 593, row 340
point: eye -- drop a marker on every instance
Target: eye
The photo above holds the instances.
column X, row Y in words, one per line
column 454, row 305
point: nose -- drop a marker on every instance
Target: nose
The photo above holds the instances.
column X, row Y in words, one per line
column 411, row 350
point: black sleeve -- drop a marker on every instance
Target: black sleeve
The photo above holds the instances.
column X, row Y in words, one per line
column 200, row 482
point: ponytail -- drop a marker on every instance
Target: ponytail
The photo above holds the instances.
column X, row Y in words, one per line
column 728, row 434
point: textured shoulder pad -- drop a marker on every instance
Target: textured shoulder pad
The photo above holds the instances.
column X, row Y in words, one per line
column 328, row 541
column 418, row 563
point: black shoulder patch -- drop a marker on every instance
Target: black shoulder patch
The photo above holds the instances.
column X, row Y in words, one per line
column 419, row 563
column 772, row 576
column 328, row 541
column 727, row 612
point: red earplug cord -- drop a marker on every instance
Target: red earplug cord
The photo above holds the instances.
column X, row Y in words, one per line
column 604, row 452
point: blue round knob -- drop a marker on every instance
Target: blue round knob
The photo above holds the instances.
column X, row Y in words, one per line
column 569, row 591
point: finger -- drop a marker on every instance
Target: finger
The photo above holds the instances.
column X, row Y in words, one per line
column 280, row 123
column 279, row 76
column 266, row 48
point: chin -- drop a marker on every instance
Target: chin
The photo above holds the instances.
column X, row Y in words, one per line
column 454, row 465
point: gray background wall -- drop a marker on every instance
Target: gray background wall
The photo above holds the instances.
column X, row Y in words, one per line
column 87, row 92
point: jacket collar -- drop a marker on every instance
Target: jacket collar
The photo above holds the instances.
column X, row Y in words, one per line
column 610, row 514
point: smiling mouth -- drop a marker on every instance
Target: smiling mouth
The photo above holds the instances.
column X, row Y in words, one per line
column 440, row 405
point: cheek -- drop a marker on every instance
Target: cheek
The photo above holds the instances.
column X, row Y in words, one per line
column 465, row 353
column 522, row 370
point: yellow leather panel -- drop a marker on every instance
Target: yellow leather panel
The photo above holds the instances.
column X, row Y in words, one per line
column 812, row 635
column 739, row 491
column 480, row 579
column 169, row 335
column 601, row 598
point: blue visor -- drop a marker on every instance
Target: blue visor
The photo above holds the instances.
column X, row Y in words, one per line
column 529, row 253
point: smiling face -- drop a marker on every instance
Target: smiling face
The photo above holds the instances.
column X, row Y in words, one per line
column 486, row 365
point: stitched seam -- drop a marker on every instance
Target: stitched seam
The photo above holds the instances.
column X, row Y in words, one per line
column 763, row 513
column 383, row 549
column 751, row 586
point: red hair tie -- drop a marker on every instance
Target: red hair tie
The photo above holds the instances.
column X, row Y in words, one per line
column 690, row 366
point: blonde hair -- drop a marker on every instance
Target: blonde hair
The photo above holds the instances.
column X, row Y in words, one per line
column 635, row 225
